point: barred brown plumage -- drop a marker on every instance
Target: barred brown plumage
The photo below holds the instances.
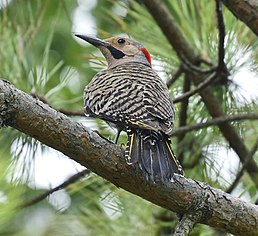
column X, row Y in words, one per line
column 130, row 96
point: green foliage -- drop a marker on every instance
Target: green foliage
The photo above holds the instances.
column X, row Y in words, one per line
column 40, row 56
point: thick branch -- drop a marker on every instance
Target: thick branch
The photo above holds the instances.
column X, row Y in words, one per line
column 246, row 11
column 34, row 118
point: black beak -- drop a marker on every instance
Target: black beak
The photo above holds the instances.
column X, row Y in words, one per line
column 117, row 54
column 94, row 41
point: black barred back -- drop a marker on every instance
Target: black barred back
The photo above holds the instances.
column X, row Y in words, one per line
column 130, row 94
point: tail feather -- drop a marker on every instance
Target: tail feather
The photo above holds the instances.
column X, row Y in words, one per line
column 133, row 147
column 153, row 153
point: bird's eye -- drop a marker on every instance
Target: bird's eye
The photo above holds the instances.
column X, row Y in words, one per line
column 121, row 41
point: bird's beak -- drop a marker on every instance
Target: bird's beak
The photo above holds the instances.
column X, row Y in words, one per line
column 94, row 41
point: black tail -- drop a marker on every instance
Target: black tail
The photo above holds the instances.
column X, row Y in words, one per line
column 153, row 152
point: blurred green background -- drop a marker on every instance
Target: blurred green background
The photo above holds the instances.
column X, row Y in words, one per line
column 40, row 55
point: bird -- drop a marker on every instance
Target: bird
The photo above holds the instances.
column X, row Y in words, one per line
column 130, row 96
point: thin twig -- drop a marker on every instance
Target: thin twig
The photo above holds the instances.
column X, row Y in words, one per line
column 216, row 121
column 193, row 163
column 69, row 181
column 201, row 86
column 66, row 112
column 71, row 113
column 241, row 172
column 175, row 76
column 206, row 62
column 193, row 68
column 183, row 112
column 221, row 28
column 222, row 68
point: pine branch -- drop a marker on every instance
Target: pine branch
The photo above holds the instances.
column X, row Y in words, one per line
column 66, row 183
column 215, row 121
column 175, row 76
column 66, row 112
column 36, row 119
column 71, row 113
column 241, row 172
column 221, row 27
column 246, row 11
column 197, row 89
column 183, row 113
column 222, row 68
column 187, row 223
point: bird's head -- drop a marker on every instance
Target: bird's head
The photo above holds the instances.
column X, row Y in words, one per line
column 120, row 50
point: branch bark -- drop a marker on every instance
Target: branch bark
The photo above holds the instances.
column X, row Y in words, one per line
column 246, row 11
column 32, row 117
column 186, row 224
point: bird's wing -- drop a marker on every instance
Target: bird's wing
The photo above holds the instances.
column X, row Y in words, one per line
column 130, row 97
column 159, row 105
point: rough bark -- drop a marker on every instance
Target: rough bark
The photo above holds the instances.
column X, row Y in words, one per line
column 246, row 11
column 36, row 119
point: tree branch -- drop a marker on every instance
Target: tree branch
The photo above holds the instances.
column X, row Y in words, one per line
column 71, row 113
column 241, row 172
column 187, row 223
column 197, row 89
column 175, row 76
column 32, row 117
column 183, row 114
column 69, row 181
column 246, row 11
column 215, row 121
column 221, row 27
column 222, row 70
column 66, row 112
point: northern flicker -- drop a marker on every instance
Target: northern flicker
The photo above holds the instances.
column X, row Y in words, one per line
column 130, row 96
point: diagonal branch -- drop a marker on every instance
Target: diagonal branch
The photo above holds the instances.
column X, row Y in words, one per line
column 66, row 112
column 197, row 89
column 241, row 172
column 246, row 11
column 44, row 195
column 175, row 76
column 32, row 117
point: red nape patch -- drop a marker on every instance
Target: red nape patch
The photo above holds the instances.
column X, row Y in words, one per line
column 147, row 54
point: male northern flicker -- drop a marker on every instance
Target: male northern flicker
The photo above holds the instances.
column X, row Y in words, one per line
column 130, row 96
